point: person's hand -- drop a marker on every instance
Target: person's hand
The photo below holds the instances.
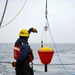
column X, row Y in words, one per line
column 14, row 64
column 34, row 30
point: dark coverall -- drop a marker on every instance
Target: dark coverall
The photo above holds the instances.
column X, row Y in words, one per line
column 22, row 67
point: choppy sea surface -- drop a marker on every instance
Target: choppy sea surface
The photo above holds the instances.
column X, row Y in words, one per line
column 63, row 62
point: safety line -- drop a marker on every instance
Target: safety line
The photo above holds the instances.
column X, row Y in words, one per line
column 39, row 64
column 15, row 16
column 57, row 51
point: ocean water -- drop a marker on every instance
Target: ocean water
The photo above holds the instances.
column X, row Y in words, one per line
column 64, row 55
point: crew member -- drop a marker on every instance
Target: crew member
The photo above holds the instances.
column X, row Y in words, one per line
column 23, row 53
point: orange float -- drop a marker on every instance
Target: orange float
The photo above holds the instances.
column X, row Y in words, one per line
column 45, row 55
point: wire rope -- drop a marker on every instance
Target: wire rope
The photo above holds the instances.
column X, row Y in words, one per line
column 4, row 12
column 42, row 35
column 15, row 16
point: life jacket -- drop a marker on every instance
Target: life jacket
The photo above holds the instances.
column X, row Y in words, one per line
column 17, row 51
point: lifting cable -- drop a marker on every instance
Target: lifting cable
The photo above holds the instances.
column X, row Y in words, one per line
column 15, row 16
column 4, row 12
column 45, row 27
column 55, row 44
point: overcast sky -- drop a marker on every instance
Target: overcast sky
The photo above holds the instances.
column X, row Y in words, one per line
column 61, row 16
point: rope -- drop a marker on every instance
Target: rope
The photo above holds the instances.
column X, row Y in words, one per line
column 39, row 64
column 4, row 12
column 44, row 30
column 15, row 16
column 42, row 35
column 56, row 50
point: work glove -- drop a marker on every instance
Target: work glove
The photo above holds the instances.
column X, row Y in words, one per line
column 34, row 30
column 14, row 64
